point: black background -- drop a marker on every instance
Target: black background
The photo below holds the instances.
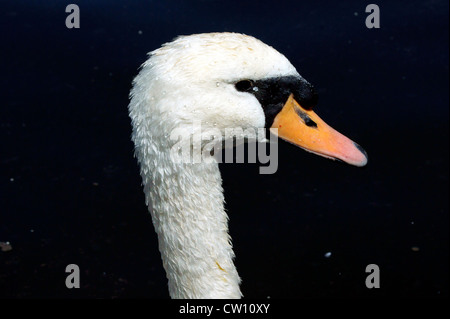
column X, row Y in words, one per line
column 70, row 190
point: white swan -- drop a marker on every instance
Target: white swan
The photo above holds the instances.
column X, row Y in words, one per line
column 224, row 80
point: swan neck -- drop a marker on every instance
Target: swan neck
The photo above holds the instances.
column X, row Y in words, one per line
column 187, row 206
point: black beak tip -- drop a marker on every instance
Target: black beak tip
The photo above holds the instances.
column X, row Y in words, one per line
column 362, row 151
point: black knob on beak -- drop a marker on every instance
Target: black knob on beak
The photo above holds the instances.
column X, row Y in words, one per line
column 306, row 96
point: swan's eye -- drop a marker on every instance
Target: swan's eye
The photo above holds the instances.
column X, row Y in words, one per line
column 244, row 85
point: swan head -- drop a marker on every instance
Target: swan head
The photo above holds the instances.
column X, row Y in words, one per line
column 230, row 80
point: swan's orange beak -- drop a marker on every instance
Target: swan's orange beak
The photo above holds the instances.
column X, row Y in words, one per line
column 306, row 129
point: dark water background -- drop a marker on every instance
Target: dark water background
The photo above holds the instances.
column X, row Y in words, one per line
column 70, row 188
